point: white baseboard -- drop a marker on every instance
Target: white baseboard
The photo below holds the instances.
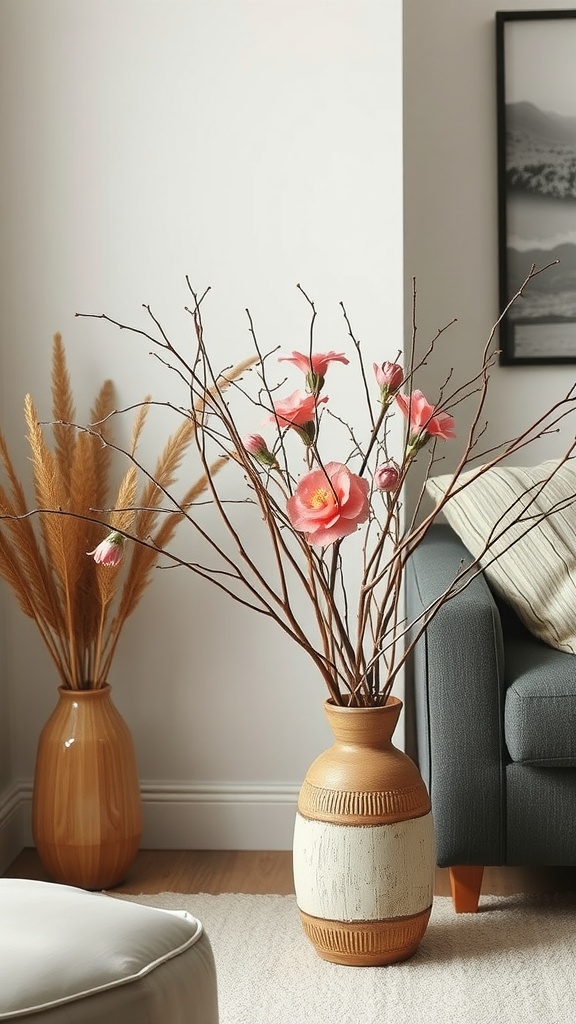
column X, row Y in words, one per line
column 176, row 816
column 218, row 817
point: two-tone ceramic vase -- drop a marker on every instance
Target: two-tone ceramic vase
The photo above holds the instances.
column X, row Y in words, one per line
column 364, row 851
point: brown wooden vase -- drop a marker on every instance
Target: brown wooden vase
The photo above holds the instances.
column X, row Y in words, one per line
column 86, row 807
column 364, row 851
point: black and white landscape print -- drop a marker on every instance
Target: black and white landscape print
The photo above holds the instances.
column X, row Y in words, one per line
column 541, row 227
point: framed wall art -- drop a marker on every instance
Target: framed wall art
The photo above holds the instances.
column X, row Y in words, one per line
column 536, row 114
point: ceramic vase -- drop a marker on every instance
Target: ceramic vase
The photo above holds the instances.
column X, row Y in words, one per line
column 86, row 807
column 364, row 851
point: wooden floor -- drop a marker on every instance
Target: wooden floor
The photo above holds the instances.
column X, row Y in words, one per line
column 262, row 871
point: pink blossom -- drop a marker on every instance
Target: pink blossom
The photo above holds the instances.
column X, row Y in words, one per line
column 386, row 477
column 424, row 420
column 296, row 410
column 318, row 364
column 110, row 551
column 389, row 376
column 314, row 365
column 328, row 504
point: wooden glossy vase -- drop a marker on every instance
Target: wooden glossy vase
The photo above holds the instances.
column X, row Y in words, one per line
column 86, row 807
column 364, row 851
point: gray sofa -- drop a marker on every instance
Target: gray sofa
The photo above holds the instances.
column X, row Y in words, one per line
column 495, row 726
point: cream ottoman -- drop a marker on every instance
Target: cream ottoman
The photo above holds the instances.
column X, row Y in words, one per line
column 67, row 956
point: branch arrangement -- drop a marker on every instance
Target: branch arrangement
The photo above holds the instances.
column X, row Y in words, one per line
column 312, row 533
column 307, row 527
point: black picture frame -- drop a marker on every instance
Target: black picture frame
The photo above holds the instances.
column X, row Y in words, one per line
column 536, row 143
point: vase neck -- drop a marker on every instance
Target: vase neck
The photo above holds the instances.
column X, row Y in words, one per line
column 372, row 727
column 102, row 692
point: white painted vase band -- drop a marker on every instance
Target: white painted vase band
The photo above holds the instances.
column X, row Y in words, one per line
column 363, row 873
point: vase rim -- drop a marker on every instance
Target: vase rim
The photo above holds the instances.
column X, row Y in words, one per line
column 68, row 691
column 392, row 702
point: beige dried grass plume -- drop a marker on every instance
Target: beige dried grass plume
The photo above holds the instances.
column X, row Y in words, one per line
column 78, row 606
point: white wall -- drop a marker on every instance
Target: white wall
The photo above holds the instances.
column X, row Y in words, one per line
column 450, row 205
column 252, row 144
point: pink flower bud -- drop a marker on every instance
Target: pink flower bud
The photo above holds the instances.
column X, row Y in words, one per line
column 256, row 446
column 386, row 477
column 389, row 376
column 110, row 551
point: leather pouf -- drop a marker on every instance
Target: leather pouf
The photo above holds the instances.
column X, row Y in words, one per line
column 68, row 956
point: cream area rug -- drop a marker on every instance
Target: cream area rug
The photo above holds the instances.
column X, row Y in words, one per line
column 512, row 963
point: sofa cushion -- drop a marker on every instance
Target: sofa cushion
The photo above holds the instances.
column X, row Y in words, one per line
column 540, row 704
column 537, row 573
column 60, row 944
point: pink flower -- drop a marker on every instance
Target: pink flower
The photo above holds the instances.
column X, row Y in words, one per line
column 386, row 477
column 424, row 420
column 319, row 363
column 329, row 504
column 296, row 410
column 314, row 366
column 110, row 551
column 389, row 376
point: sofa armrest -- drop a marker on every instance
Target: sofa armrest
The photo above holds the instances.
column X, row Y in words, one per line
column 458, row 679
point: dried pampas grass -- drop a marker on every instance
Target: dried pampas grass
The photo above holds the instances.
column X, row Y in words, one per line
column 78, row 606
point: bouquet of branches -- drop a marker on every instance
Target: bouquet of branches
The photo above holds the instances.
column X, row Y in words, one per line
column 80, row 612
column 325, row 551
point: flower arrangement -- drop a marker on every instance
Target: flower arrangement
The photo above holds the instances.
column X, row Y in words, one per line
column 324, row 552
column 44, row 559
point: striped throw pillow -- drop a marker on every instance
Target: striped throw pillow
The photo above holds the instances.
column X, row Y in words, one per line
column 530, row 563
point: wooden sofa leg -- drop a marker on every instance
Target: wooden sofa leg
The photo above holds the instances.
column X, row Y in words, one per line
column 465, row 883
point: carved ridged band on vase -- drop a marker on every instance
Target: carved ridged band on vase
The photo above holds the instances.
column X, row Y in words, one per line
column 365, row 808
column 366, row 943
